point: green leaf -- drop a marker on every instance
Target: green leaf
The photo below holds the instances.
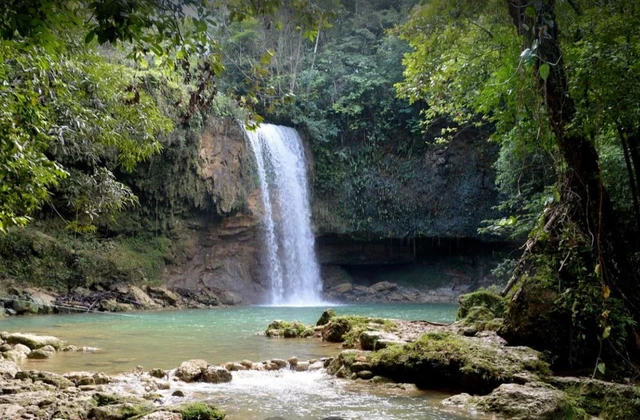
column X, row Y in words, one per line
column 89, row 37
column 544, row 71
column 601, row 367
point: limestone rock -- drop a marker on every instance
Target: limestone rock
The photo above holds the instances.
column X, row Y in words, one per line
column 162, row 415
column 384, row 286
column 376, row 340
column 164, row 294
column 35, row 341
column 141, row 298
column 40, row 354
column 191, row 370
column 216, row 375
column 50, row 378
column 522, row 402
column 8, row 369
column 11, row 411
column 341, row 288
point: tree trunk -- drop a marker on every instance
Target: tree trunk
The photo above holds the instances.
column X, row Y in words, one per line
column 582, row 191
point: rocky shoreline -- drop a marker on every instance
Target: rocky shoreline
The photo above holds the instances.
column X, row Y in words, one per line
column 492, row 377
column 468, row 357
column 117, row 298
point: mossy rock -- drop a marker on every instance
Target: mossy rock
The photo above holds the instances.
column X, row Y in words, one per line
column 446, row 360
column 533, row 319
column 347, row 329
column 287, row 329
column 326, row 317
column 535, row 401
column 605, row 400
column 478, row 314
column 481, row 298
column 199, row 411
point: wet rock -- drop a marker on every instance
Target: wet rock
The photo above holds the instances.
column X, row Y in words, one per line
column 326, row 316
column 70, row 348
column 247, row 363
column 287, row 329
column 101, row 378
column 293, row 361
column 302, row 367
column 41, row 354
column 21, row 348
column 335, row 330
column 190, row 370
column 178, row 393
column 216, row 375
column 364, row 374
column 158, row 373
column 359, row 366
column 316, row 366
column 280, row 362
column 381, row 380
column 14, row 356
column 35, row 341
column 5, row 347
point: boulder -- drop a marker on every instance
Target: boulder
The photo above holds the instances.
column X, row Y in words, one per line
column 216, row 375
column 191, row 370
column 158, row 373
column 326, row 316
column 141, row 298
column 50, row 378
column 376, row 340
column 21, row 348
column 335, row 330
column 120, row 411
column 522, row 402
column 341, row 289
column 164, row 294
column 35, row 341
column 111, row 305
column 80, row 378
column 384, row 286
column 8, row 369
column 45, row 301
column 41, row 354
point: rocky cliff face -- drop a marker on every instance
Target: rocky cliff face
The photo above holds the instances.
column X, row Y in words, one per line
column 224, row 248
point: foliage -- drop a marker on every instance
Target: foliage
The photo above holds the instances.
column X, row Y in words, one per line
column 49, row 257
column 480, row 298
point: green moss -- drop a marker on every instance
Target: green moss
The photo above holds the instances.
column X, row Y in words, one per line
column 481, row 298
column 326, row 317
column 440, row 359
column 347, row 329
column 200, row 411
column 606, row 400
column 287, row 329
column 478, row 314
column 47, row 256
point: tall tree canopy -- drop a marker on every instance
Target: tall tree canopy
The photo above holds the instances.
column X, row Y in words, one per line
column 558, row 77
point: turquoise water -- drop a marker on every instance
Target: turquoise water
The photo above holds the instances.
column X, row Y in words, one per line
column 164, row 339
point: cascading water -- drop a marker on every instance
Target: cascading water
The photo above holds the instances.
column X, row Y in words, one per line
column 292, row 267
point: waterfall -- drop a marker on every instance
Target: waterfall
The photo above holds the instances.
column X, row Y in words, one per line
column 293, row 271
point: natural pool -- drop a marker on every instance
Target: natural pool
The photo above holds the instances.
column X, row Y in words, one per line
column 164, row 339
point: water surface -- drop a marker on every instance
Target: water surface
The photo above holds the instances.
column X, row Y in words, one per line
column 164, row 339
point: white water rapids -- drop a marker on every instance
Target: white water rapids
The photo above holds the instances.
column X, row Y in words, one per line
column 293, row 271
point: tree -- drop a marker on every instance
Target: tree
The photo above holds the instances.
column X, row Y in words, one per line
column 469, row 62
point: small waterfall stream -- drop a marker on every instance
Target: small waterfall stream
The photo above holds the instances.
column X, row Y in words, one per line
column 293, row 271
